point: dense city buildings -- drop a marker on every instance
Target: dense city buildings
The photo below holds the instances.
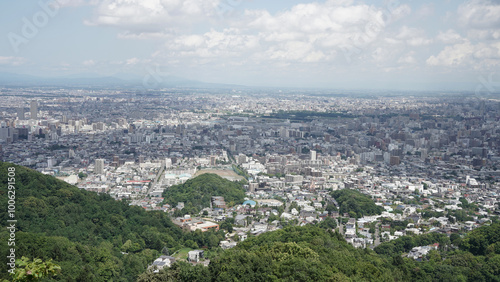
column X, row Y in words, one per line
column 421, row 158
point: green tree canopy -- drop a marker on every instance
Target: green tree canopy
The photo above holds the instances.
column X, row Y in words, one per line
column 197, row 192
column 352, row 201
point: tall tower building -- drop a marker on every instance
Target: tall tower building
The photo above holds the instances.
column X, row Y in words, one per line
column 51, row 162
column 34, row 109
column 20, row 113
column 312, row 155
column 168, row 163
column 99, row 166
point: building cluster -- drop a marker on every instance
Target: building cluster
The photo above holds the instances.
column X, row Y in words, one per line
column 413, row 155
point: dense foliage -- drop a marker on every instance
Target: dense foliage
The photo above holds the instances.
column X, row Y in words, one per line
column 306, row 116
column 406, row 243
column 478, row 258
column 293, row 254
column 34, row 270
column 312, row 254
column 197, row 192
column 483, row 241
column 84, row 232
column 355, row 203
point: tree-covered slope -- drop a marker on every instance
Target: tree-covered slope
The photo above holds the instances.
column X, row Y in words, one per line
column 197, row 192
column 83, row 232
column 476, row 257
column 293, row 254
column 312, row 254
column 483, row 240
column 355, row 203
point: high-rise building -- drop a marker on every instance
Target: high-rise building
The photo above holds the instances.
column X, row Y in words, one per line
column 7, row 134
column 283, row 132
column 394, row 160
column 51, row 162
column 99, row 166
column 312, row 154
column 252, row 186
column 213, row 160
column 20, row 113
column 116, row 161
column 168, row 163
column 34, row 109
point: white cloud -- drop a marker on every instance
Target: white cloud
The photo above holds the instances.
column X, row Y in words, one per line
column 330, row 33
column 408, row 59
column 150, row 17
column 449, row 37
column 212, row 45
column 295, row 51
column 317, row 38
column 480, row 48
column 305, row 33
column 466, row 54
column 89, row 63
column 76, row 3
column 12, row 61
column 413, row 36
column 132, row 61
column 480, row 14
column 481, row 17
column 425, row 11
column 381, row 55
column 419, row 41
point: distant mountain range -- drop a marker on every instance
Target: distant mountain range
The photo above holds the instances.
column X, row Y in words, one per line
column 117, row 80
column 152, row 82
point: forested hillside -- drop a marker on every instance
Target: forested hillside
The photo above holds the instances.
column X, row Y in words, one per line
column 311, row 254
column 196, row 192
column 84, row 232
column 355, row 203
column 476, row 257
column 306, row 253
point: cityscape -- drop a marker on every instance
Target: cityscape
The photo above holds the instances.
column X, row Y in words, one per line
column 235, row 140
column 418, row 157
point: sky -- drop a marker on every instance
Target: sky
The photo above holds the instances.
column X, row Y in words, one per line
column 340, row 44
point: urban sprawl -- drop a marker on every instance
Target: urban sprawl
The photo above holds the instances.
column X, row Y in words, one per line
column 422, row 158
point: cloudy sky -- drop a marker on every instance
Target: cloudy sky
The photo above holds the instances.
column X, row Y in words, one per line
column 341, row 44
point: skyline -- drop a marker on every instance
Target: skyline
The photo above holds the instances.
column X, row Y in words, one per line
column 325, row 44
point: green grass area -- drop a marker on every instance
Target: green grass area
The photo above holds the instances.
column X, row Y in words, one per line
column 182, row 254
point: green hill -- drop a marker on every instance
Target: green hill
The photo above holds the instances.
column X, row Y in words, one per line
column 312, row 254
column 197, row 192
column 475, row 257
column 85, row 232
column 293, row 254
column 355, row 203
